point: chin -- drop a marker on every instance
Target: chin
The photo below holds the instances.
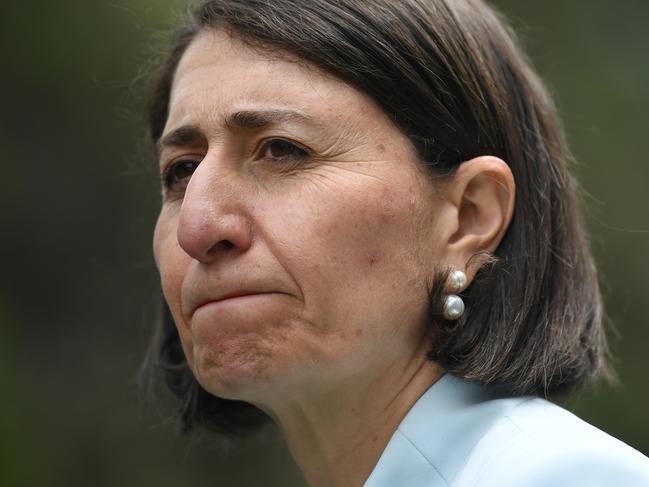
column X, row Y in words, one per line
column 234, row 369
column 242, row 356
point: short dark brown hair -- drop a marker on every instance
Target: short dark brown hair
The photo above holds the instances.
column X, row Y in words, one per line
column 450, row 76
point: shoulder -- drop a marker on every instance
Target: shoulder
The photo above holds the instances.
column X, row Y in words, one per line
column 537, row 444
column 460, row 434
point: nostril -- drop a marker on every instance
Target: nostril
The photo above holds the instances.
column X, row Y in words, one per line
column 205, row 235
column 223, row 245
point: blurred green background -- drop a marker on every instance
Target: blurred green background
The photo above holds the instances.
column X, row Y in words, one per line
column 81, row 195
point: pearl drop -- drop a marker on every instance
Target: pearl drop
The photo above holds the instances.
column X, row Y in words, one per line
column 458, row 280
column 453, row 307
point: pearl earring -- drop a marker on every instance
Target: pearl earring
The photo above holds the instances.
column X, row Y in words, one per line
column 458, row 280
column 453, row 304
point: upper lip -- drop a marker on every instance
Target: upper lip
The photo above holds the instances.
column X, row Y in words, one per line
column 234, row 294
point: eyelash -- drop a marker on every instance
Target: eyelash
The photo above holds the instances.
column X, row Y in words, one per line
column 298, row 155
column 168, row 175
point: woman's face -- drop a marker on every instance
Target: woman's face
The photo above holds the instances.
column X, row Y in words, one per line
column 297, row 236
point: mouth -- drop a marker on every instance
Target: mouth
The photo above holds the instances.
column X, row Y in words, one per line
column 238, row 294
column 236, row 297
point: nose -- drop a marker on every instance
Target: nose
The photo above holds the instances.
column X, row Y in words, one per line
column 212, row 220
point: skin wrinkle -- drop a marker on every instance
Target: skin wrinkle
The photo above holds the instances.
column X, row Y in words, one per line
column 329, row 152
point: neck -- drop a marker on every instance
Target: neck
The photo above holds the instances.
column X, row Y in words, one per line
column 337, row 439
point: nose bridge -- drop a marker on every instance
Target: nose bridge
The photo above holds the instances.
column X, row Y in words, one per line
column 212, row 216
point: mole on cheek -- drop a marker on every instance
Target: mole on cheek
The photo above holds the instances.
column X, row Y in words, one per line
column 385, row 217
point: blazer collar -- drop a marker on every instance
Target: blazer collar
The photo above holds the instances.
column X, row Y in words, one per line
column 437, row 435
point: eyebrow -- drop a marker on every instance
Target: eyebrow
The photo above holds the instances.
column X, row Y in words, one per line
column 257, row 119
column 242, row 119
column 182, row 136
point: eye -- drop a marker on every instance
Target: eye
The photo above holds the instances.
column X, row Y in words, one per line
column 284, row 151
column 178, row 174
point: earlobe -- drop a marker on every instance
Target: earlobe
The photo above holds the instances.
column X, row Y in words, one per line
column 483, row 192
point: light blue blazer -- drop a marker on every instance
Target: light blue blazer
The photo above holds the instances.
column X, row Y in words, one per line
column 459, row 435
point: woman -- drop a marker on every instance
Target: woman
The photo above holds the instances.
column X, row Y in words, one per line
column 369, row 236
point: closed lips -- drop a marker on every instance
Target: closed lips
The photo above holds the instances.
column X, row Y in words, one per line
column 213, row 289
column 234, row 294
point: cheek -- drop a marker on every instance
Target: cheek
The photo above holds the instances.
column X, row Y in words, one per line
column 378, row 236
column 165, row 251
column 357, row 256
column 172, row 265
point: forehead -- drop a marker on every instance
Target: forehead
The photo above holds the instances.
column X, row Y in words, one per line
column 219, row 74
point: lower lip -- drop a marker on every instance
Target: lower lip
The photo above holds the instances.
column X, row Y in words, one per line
column 243, row 300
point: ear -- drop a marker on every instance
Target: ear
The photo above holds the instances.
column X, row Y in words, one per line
column 482, row 194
